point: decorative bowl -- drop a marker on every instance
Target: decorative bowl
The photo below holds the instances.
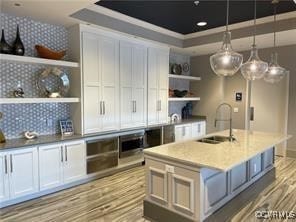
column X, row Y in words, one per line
column 47, row 53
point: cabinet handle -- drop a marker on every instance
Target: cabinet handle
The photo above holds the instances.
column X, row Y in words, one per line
column 183, row 131
column 159, row 105
column 5, row 162
column 62, row 155
column 66, row 154
column 104, row 108
column 11, row 164
column 135, row 106
column 100, row 107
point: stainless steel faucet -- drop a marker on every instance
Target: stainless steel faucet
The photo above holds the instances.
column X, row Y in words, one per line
column 226, row 120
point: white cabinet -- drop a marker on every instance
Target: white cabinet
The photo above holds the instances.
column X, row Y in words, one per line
column 100, row 59
column 190, row 131
column 4, row 182
column 182, row 132
column 198, row 129
column 158, row 69
column 50, row 166
column 18, row 173
column 133, row 84
column 61, row 163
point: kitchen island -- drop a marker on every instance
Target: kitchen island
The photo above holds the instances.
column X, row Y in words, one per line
column 188, row 181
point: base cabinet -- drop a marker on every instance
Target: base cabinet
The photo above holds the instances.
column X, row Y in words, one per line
column 190, row 131
column 61, row 164
column 18, row 173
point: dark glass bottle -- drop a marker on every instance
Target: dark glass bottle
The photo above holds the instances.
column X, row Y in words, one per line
column 18, row 46
column 5, row 48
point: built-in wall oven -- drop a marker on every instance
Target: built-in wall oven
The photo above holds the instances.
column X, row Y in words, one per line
column 131, row 144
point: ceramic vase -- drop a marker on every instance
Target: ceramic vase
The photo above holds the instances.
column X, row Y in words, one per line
column 5, row 48
column 18, row 46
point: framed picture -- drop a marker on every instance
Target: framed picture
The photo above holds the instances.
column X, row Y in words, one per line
column 67, row 128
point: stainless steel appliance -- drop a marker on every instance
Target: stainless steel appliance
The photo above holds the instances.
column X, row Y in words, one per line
column 168, row 134
column 131, row 144
column 153, row 136
column 101, row 154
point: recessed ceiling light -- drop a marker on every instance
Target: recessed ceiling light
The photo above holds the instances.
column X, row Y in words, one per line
column 197, row 2
column 204, row 23
column 295, row 1
column 17, row 4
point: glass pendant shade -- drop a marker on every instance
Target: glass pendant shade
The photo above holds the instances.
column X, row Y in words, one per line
column 226, row 62
column 254, row 68
column 275, row 72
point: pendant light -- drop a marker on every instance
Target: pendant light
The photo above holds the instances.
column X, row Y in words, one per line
column 226, row 62
column 275, row 72
column 254, row 68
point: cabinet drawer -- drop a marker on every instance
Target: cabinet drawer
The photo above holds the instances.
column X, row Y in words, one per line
column 215, row 190
column 255, row 166
column 99, row 147
column 102, row 162
column 239, row 176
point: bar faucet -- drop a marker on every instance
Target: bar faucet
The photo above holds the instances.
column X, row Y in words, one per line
column 226, row 120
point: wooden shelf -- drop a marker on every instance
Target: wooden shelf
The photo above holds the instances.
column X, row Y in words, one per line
column 192, row 78
column 35, row 60
column 184, row 99
column 37, row 100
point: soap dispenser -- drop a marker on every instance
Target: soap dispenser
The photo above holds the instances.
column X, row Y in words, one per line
column 2, row 137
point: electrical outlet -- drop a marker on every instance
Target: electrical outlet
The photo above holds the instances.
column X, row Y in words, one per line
column 169, row 169
column 255, row 167
column 49, row 122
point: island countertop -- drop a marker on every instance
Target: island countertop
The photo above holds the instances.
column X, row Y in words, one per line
column 223, row 156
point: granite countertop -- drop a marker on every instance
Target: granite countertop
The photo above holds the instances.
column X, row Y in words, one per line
column 223, row 156
column 47, row 139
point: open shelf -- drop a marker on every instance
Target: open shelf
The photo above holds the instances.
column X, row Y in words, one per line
column 184, row 99
column 37, row 100
column 192, row 78
column 35, row 60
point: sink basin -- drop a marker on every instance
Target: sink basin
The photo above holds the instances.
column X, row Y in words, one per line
column 214, row 139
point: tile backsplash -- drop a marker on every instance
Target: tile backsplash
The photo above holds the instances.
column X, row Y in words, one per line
column 42, row 118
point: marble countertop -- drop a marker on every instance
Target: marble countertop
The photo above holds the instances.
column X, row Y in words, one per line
column 223, row 156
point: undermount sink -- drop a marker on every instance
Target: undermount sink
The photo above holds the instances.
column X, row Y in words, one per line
column 214, row 139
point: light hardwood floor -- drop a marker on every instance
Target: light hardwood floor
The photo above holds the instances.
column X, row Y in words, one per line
column 119, row 198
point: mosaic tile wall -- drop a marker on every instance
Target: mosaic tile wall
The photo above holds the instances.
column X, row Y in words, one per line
column 42, row 118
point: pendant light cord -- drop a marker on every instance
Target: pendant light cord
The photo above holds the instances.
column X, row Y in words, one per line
column 227, row 15
column 255, row 16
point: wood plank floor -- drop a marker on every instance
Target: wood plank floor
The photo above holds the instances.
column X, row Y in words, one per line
column 119, row 198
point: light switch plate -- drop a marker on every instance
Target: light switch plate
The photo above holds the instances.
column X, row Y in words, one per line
column 235, row 109
column 169, row 169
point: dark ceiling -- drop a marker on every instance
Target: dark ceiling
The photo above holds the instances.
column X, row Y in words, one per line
column 182, row 16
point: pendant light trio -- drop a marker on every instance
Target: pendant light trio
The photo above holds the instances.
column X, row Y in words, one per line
column 227, row 62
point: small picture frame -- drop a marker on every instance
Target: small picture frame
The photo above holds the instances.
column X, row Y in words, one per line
column 67, row 128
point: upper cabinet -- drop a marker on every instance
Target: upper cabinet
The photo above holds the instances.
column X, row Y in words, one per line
column 100, row 59
column 158, row 69
column 133, row 84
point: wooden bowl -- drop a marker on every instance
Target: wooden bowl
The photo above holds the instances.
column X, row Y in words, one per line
column 47, row 53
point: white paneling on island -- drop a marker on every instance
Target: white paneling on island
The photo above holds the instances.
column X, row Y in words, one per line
column 189, row 180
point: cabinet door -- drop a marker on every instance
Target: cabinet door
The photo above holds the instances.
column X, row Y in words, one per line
column 179, row 133
column 50, row 166
column 139, row 81
column 4, row 185
column 23, row 172
column 216, row 189
column 126, row 86
column 75, row 161
column 187, row 132
column 239, row 176
column 196, row 130
column 109, row 70
column 152, row 96
column 90, row 59
column 163, row 71
column 92, row 109
column 268, row 158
